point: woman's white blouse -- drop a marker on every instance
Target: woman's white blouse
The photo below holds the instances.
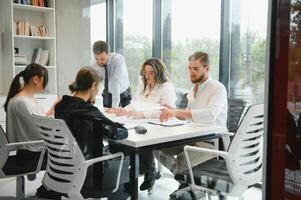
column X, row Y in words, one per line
column 161, row 94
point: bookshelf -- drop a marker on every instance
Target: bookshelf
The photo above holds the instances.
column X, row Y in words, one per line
column 28, row 27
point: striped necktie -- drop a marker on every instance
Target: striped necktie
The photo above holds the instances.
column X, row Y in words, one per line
column 106, row 89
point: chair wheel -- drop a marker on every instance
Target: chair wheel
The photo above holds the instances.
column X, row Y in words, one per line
column 150, row 190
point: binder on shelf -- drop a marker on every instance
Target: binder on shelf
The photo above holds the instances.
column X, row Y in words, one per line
column 20, row 59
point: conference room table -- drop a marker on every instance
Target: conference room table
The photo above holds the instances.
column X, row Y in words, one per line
column 159, row 137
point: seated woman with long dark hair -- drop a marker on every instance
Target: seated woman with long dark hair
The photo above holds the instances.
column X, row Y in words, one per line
column 20, row 104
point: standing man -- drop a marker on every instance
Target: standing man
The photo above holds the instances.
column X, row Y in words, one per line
column 207, row 104
column 117, row 90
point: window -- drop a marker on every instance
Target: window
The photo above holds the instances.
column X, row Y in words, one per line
column 248, row 53
column 97, row 21
column 190, row 26
column 135, row 35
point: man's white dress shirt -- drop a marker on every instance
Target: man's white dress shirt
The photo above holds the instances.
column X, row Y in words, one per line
column 210, row 104
column 118, row 77
column 161, row 94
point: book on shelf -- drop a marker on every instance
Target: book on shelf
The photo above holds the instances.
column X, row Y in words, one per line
column 44, row 59
column 41, row 3
column 43, row 31
column 40, row 56
column 20, row 28
column 20, row 59
column 38, row 30
column 24, row 28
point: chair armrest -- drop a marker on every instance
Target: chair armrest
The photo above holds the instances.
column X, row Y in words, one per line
column 201, row 150
column 82, row 170
column 205, row 150
column 18, row 145
column 7, row 148
column 89, row 162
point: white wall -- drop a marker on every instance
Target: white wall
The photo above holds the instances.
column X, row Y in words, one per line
column 73, row 40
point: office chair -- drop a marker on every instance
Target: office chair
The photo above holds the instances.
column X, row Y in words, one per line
column 242, row 163
column 9, row 166
column 67, row 168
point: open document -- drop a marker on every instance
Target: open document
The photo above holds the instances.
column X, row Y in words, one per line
column 169, row 123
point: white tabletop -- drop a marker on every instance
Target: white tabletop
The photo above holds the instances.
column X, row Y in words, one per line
column 159, row 134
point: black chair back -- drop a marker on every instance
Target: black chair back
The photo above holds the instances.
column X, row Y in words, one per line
column 235, row 110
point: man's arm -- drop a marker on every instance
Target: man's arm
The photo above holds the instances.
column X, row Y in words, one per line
column 203, row 115
column 180, row 114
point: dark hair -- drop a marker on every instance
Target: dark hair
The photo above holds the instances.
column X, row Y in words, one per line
column 84, row 79
column 30, row 71
column 99, row 47
column 161, row 74
column 201, row 56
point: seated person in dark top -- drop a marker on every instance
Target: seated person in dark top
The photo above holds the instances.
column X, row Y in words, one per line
column 84, row 90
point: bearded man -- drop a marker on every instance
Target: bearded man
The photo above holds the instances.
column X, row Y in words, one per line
column 207, row 105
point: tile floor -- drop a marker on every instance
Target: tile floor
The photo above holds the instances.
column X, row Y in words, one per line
column 162, row 189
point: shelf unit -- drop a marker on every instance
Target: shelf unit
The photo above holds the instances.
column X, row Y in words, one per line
column 34, row 15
